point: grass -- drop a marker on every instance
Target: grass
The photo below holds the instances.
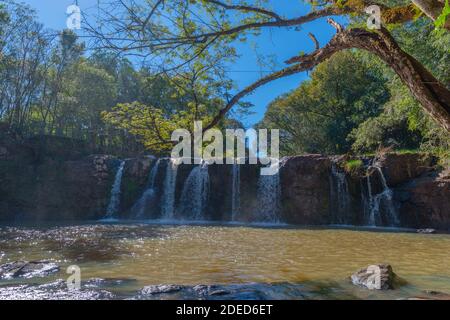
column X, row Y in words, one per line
column 353, row 166
column 406, row 151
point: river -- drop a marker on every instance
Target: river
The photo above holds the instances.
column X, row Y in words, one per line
column 261, row 261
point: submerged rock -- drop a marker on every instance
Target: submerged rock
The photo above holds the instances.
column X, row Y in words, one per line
column 159, row 289
column 27, row 269
column 376, row 277
column 56, row 290
column 205, row 290
column 426, row 231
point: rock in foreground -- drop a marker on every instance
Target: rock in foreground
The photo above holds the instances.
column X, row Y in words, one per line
column 159, row 289
column 56, row 290
column 27, row 269
column 376, row 277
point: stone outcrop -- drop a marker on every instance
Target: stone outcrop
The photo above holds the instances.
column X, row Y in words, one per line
column 56, row 190
column 27, row 269
column 134, row 180
column 376, row 277
column 400, row 168
column 425, row 203
column 305, row 189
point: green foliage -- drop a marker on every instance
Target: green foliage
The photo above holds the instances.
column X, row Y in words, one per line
column 403, row 123
column 353, row 166
column 352, row 103
column 318, row 116
column 442, row 19
column 103, row 98
column 392, row 128
column 355, row 103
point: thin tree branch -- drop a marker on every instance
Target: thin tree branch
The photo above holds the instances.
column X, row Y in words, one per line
column 246, row 9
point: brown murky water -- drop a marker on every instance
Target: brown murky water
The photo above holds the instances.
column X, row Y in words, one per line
column 322, row 260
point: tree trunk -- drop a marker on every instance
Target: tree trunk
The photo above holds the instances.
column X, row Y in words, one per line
column 432, row 8
column 429, row 91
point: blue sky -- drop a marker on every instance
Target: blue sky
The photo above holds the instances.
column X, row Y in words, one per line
column 277, row 41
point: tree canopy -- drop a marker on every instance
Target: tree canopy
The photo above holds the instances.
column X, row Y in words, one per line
column 145, row 68
column 178, row 32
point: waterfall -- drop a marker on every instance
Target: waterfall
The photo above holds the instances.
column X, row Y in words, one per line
column 168, row 197
column 387, row 197
column 379, row 201
column 114, row 202
column 269, row 192
column 372, row 210
column 236, row 189
column 140, row 207
column 340, row 195
column 194, row 196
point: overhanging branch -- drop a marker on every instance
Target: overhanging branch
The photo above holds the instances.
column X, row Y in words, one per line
column 431, row 94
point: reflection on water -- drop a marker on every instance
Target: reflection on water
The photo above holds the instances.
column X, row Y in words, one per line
column 315, row 263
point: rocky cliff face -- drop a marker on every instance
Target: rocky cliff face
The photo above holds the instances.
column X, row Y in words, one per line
column 48, row 178
column 55, row 190
column 425, row 201
column 48, row 183
column 305, row 190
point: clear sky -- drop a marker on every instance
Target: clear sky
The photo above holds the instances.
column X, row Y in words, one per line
column 277, row 41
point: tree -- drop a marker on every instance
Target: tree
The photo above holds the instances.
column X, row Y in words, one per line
column 183, row 30
column 26, row 45
column 168, row 104
column 318, row 116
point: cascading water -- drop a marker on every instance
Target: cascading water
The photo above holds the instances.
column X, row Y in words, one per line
column 370, row 211
column 114, row 202
column 140, row 207
column 194, row 196
column 387, row 197
column 340, row 195
column 269, row 191
column 382, row 200
column 236, row 189
column 168, row 197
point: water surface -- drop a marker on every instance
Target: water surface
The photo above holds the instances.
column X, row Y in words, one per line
column 286, row 262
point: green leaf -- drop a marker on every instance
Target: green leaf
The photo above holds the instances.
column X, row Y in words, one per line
column 440, row 21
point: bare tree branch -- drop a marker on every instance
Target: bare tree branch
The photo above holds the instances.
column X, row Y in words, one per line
column 246, row 9
column 314, row 39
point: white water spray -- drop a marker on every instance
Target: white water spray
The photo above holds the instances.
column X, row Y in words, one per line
column 339, row 195
column 114, row 202
column 383, row 199
column 140, row 207
column 269, row 192
column 194, row 196
column 168, row 197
